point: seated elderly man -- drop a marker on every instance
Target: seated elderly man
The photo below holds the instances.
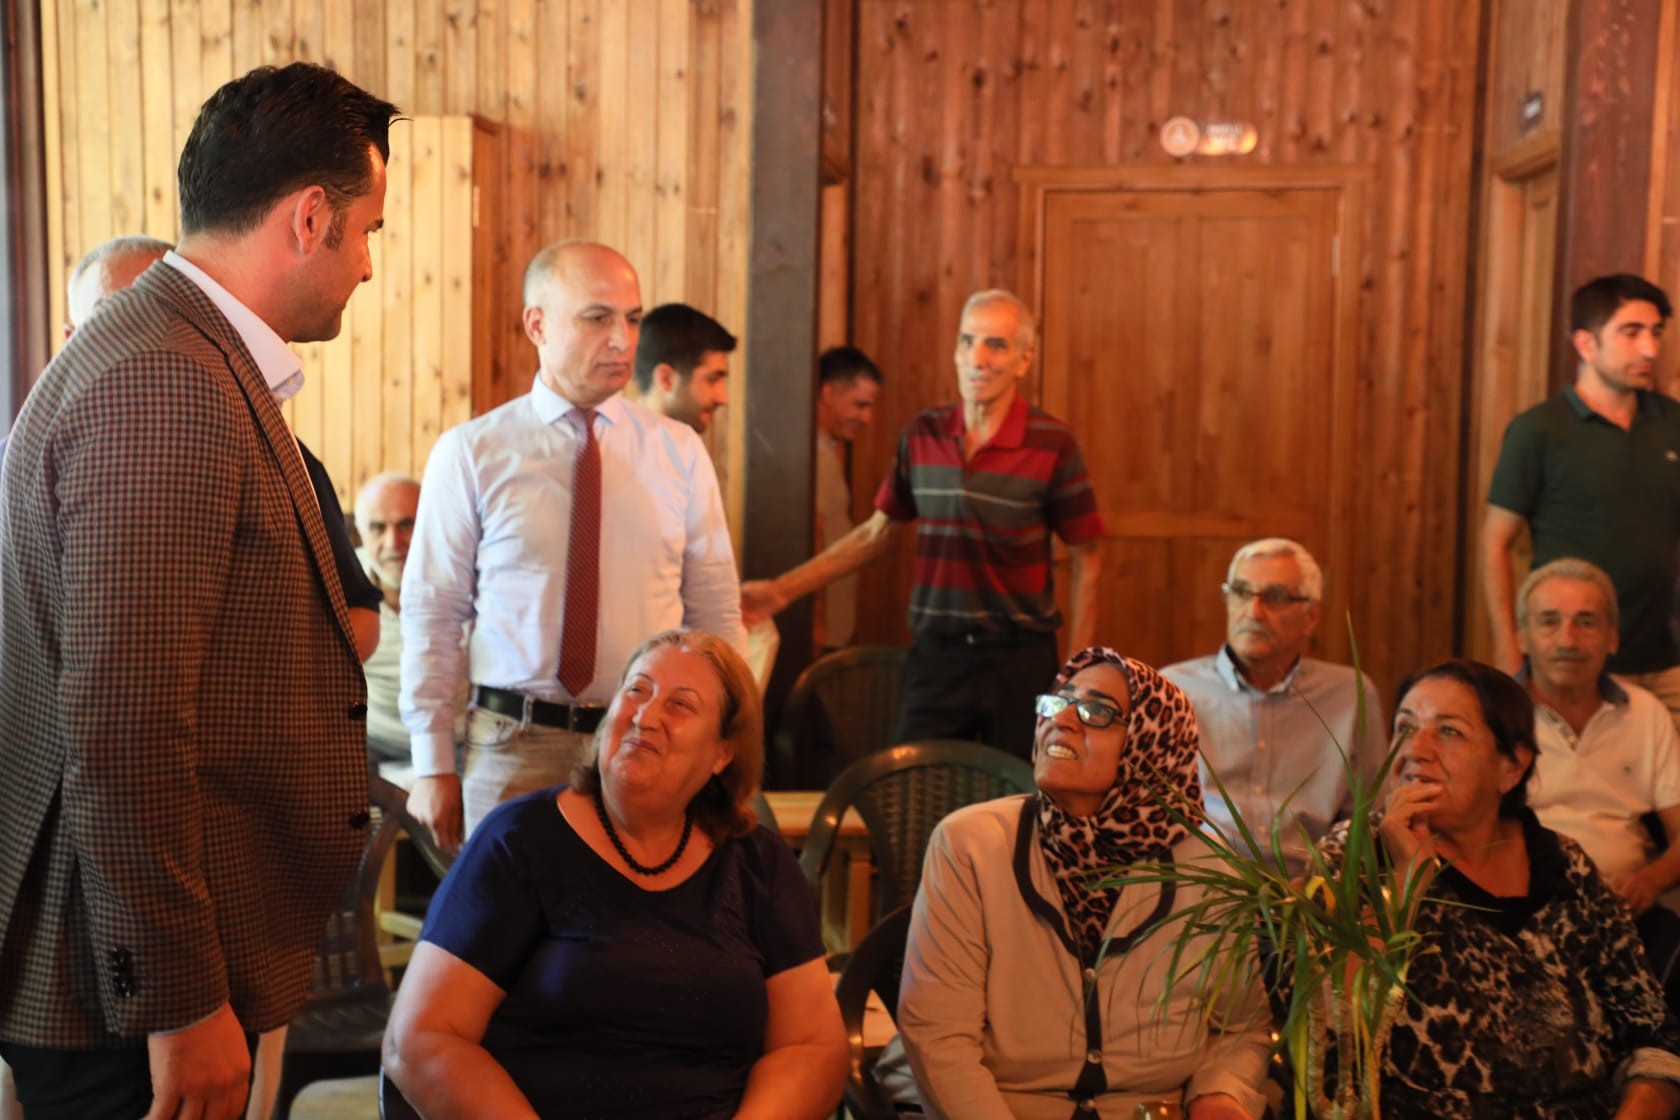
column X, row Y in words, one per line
column 1272, row 719
column 1608, row 750
column 385, row 508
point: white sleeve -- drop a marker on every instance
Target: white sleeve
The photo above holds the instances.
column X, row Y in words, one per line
column 439, row 584
column 711, row 586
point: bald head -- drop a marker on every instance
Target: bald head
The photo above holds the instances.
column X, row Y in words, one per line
column 583, row 311
column 106, row 270
column 385, row 509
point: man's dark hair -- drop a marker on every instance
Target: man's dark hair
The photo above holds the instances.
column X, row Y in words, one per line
column 275, row 131
column 1595, row 302
column 677, row 335
column 845, row 363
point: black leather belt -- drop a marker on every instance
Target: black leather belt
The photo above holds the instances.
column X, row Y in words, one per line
column 517, row 705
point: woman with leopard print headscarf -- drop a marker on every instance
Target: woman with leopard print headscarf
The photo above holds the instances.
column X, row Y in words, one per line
column 1031, row 994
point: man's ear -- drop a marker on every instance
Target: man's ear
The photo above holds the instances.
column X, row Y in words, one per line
column 1586, row 344
column 310, row 217
column 532, row 320
column 665, row 376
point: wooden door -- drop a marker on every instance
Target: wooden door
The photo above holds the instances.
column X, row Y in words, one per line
column 1513, row 346
column 1190, row 337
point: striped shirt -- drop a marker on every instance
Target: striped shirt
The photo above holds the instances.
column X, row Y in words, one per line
column 983, row 526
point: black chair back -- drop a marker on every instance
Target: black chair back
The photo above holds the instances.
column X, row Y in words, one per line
column 876, row 965
column 901, row 793
column 338, row 1031
column 843, row 707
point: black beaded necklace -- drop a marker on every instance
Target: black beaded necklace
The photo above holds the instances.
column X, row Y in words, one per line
column 618, row 845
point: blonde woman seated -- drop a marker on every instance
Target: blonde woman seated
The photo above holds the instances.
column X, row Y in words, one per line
column 634, row 945
column 997, row 1011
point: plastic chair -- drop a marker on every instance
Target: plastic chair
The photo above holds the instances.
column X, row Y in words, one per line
column 901, row 793
column 875, row 966
column 337, row 1033
column 766, row 815
column 843, row 707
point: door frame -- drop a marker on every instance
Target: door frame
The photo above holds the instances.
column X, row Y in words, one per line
column 1504, row 189
column 1348, row 182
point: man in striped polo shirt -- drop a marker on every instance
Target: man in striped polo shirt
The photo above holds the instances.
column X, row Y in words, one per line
column 987, row 478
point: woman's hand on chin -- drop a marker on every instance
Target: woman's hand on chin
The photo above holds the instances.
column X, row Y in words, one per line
column 1216, row 1106
column 1405, row 824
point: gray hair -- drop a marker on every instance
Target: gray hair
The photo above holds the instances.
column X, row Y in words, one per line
column 117, row 248
column 137, row 244
column 1026, row 334
column 1312, row 577
column 1570, row 567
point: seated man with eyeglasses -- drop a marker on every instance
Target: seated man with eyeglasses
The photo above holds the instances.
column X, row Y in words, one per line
column 1272, row 719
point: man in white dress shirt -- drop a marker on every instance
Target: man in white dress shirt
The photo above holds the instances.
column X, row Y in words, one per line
column 1275, row 723
column 492, row 547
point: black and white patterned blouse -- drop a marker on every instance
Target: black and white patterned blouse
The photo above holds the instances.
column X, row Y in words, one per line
column 1536, row 1007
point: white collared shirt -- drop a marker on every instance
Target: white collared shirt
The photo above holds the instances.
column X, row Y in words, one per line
column 280, row 367
column 1594, row 787
column 1276, row 751
column 490, row 544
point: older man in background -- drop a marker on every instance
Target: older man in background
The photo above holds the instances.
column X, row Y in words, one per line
column 108, row 268
column 1609, row 757
column 1276, row 724
column 385, row 509
column 986, row 479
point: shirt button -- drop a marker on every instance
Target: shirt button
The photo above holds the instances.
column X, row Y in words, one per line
column 1093, row 1056
column 358, row 711
column 1090, row 975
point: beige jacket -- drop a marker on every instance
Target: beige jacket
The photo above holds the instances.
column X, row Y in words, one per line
column 992, row 1009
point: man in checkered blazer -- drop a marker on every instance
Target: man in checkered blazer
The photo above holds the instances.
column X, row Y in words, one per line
column 182, row 704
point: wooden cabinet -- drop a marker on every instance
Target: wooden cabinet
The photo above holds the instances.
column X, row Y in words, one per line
column 416, row 355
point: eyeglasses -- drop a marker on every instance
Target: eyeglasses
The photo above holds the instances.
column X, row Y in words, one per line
column 1092, row 713
column 1275, row 596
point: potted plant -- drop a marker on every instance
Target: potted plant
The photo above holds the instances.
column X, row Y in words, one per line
column 1334, row 944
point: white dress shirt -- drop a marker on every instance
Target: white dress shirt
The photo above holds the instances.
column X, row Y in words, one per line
column 277, row 361
column 490, row 543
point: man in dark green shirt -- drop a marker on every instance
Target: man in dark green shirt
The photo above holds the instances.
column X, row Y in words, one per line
column 1594, row 473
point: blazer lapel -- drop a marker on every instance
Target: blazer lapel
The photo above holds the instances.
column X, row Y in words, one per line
column 193, row 305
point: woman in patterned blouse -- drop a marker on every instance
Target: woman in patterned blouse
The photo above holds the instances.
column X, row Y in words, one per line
column 1536, row 1000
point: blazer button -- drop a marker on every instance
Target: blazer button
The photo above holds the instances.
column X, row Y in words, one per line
column 360, row 820
column 358, row 711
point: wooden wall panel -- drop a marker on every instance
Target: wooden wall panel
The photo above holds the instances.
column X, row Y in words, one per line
column 953, row 94
column 1662, row 228
column 622, row 120
column 1528, row 53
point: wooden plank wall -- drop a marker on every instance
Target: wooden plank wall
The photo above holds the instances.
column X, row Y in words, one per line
column 621, row 120
column 1662, row 227
column 952, row 94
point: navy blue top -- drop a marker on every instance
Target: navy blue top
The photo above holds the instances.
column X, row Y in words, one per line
column 622, row 1003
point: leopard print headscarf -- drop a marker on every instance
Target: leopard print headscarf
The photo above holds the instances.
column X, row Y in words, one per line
column 1158, row 762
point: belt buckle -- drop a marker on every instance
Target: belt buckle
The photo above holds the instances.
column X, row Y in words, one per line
column 526, row 703
column 573, row 711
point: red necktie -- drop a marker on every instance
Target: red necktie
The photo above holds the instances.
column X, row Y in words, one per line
column 583, row 560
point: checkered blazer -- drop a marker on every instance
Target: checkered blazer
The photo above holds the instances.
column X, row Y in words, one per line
column 181, row 708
